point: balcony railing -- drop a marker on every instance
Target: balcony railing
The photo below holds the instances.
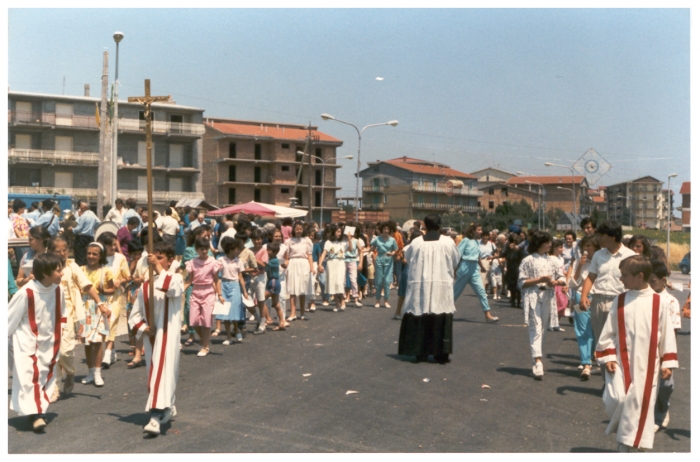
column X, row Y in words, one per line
column 379, row 189
column 171, row 128
column 429, row 206
column 440, row 188
column 379, row 206
column 52, row 119
column 53, row 157
column 84, row 193
column 91, row 194
column 160, row 196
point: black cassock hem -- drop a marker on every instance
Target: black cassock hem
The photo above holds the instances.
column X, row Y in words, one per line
column 428, row 334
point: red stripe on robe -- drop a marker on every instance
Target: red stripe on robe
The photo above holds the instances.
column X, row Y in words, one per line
column 161, row 360
column 651, row 368
column 622, row 333
column 32, row 324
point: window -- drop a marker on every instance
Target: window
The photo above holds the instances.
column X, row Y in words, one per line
column 256, row 195
column 504, row 192
column 299, row 196
column 231, row 174
column 435, row 199
column 23, row 141
column 376, row 182
column 256, row 175
column 434, row 182
column 319, row 180
column 318, row 152
column 491, row 191
column 142, row 115
column 384, row 198
column 386, row 181
column 64, row 114
column 176, row 184
column 317, row 199
column 231, row 195
column 284, row 190
column 491, row 205
column 285, row 146
column 232, row 150
column 176, row 156
column 258, row 152
column 285, row 168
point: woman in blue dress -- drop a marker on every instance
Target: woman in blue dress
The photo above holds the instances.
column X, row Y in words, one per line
column 386, row 247
column 468, row 269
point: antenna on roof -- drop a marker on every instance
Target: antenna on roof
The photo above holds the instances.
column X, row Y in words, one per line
column 63, row 92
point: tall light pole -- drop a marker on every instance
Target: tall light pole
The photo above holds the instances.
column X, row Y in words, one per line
column 118, row 36
column 393, row 123
column 668, row 221
column 540, row 212
column 323, row 178
column 573, row 183
column 573, row 225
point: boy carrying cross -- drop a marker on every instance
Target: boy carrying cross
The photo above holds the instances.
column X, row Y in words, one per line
column 637, row 344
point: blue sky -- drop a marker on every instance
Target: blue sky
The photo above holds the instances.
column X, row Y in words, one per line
column 471, row 88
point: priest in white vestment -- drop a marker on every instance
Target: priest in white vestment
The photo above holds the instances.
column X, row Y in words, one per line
column 36, row 315
column 162, row 341
column 426, row 325
column 637, row 344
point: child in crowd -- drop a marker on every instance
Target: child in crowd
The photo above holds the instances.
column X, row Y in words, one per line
column 95, row 327
column 334, row 257
column 35, row 316
column 658, row 282
column 636, row 345
column 496, row 272
column 300, row 268
column 137, row 277
column 560, row 301
column 232, row 287
column 272, row 289
column 202, row 274
column 259, row 280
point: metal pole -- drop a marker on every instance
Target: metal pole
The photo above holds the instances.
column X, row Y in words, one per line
column 115, row 131
column 357, row 175
column 101, row 167
column 149, row 186
column 323, row 185
column 668, row 223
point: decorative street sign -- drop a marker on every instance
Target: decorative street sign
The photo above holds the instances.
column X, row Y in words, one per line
column 592, row 165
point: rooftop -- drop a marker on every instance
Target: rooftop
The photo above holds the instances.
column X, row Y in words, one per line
column 545, row 180
column 273, row 130
column 22, row 94
column 427, row 167
column 685, row 187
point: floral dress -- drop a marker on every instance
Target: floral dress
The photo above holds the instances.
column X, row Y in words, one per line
column 95, row 325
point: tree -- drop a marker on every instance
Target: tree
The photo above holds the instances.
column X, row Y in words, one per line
column 505, row 214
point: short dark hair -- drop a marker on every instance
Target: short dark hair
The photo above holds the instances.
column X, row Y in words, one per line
column 47, row 204
column 273, row 247
column 35, row 205
column 646, row 245
column 637, row 264
column 588, row 221
column 201, row 243
column 18, row 204
column 229, row 244
column 134, row 245
column 537, row 239
column 103, row 254
column 41, row 233
column 383, row 224
column 657, row 253
column 131, row 203
column 556, row 243
column 572, row 233
column 471, row 229
column 659, row 269
column 590, row 240
column 44, row 264
column 107, row 238
column 118, row 202
column 287, row 221
column 165, row 248
column 304, row 230
column 432, row 222
column 610, row 228
column 133, row 221
column 514, row 238
column 144, row 237
column 55, row 240
column 331, row 232
column 173, row 203
column 256, row 234
column 168, row 211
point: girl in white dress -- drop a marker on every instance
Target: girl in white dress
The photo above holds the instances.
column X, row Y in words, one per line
column 334, row 255
column 38, row 240
column 300, row 268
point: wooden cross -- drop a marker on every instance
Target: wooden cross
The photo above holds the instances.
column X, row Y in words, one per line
column 147, row 101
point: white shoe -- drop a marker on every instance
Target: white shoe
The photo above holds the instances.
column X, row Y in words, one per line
column 90, row 378
column 168, row 415
column 335, row 310
column 538, row 371
column 325, row 303
column 357, row 303
column 107, row 359
column 152, row 427
column 239, row 338
column 226, row 342
column 377, row 305
column 342, row 307
column 98, row 379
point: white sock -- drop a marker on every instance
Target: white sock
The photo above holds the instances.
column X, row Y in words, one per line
column 98, row 371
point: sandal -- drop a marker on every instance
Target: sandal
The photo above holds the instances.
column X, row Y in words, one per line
column 215, row 333
column 291, row 318
column 134, row 364
column 203, row 352
column 189, row 342
column 279, row 328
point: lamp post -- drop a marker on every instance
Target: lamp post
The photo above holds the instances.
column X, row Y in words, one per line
column 540, row 212
column 393, row 123
column 573, row 225
column 118, row 36
column 323, row 178
column 573, row 184
column 668, row 221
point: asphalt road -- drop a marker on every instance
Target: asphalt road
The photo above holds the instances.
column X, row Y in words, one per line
column 253, row 397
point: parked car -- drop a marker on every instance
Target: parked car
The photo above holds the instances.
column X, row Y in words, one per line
column 685, row 264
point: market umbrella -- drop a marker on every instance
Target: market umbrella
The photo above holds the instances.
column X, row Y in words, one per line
column 259, row 208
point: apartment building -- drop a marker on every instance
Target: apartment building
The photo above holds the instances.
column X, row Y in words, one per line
column 500, row 193
column 247, row 160
column 54, row 148
column 411, row 188
column 642, row 203
column 491, row 177
column 685, row 206
column 559, row 191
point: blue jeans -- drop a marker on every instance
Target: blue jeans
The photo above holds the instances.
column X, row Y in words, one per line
column 383, row 276
column 468, row 273
column 584, row 335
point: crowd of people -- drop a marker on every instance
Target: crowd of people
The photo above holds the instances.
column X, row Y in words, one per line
column 209, row 278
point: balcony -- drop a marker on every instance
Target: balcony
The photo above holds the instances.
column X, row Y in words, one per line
column 373, row 207
column 40, row 156
column 440, row 188
column 83, row 193
column 159, row 196
column 377, row 189
column 51, row 119
column 160, row 127
column 445, row 207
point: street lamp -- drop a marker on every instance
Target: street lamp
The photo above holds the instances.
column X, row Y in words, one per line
column 118, row 36
column 573, row 184
column 573, row 225
column 540, row 212
column 323, row 178
column 668, row 222
column 393, row 123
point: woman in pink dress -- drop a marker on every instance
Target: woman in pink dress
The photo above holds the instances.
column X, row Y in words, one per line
column 202, row 274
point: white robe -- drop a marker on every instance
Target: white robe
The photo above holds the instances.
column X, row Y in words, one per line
column 36, row 317
column 639, row 336
column 163, row 350
column 431, row 276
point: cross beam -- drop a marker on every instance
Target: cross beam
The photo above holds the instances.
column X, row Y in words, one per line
column 147, row 100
